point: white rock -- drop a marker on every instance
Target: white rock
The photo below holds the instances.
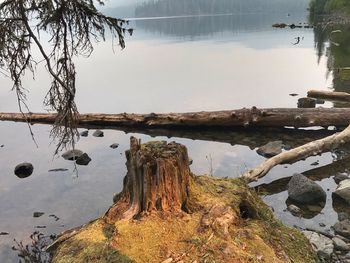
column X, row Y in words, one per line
column 343, row 190
column 322, row 245
column 339, row 244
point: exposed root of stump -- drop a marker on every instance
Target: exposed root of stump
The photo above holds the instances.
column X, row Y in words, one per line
column 206, row 220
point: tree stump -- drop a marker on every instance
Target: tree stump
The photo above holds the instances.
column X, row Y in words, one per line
column 157, row 180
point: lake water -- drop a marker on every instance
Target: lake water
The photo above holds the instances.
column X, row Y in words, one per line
column 170, row 64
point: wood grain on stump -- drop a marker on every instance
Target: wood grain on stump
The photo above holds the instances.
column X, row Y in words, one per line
column 157, row 180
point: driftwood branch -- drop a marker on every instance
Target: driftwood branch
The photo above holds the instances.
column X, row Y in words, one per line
column 312, row 148
column 247, row 118
column 329, row 95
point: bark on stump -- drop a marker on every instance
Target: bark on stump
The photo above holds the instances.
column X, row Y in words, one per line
column 157, row 180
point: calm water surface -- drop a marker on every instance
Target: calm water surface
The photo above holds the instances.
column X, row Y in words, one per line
column 173, row 64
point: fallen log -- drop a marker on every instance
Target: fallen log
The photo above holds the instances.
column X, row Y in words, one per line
column 247, row 118
column 329, row 95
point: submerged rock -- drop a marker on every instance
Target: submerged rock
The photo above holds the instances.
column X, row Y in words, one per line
column 294, row 210
column 343, row 190
column 305, row 191
column 98, row 133
column 24, row 170
column 84, row 133
column 83, row 159
column 270, row 149
column 72, row 155
column 322, row 245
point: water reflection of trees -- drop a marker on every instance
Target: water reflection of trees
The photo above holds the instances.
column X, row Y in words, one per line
column 196, row 26
column 334, row 42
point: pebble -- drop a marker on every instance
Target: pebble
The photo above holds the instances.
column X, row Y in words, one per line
column 114, row 145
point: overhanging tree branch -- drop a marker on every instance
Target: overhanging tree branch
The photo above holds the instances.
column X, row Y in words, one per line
column 73, row 26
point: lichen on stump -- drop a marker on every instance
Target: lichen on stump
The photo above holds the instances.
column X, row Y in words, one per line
column 157, row 180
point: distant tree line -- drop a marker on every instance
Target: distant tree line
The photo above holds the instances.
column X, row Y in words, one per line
column 330, row 6
column 199, row 7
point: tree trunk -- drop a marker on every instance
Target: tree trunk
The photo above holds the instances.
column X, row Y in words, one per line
column 253, row 117
column 157, row 180
column 329, row 95
column 312, row 148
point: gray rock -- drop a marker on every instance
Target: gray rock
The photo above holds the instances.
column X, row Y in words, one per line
column 84, row 133
column 270, row 149
column 294, row 210
column 322, row 245
column 24, row 170
column 339, row 244
column 305, row 191
column 83, row 159
column 343, row 216
column 38, row 214
column 340, row 177
column 306, row 103
column 72, row 155
column 98, row 133
column 343, row 228
column 343, row 190
column 114, row 145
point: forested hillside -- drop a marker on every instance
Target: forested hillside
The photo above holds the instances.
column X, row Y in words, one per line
column 329, row 6
column 199, row 7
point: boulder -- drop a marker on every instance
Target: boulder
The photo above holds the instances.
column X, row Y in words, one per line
column 343, row 190
column 83, row 159
column 340, row 177
column 270, row 149
column 72, row 155
column 24, row 170
column 305, row 191
column 343, row 228
column 321, row 244
column 306, row 103
column 98, row 133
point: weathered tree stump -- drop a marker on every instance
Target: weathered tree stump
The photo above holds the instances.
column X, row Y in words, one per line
column 157, row 180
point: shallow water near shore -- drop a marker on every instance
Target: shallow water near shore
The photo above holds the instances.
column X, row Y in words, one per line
column 170, row 65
